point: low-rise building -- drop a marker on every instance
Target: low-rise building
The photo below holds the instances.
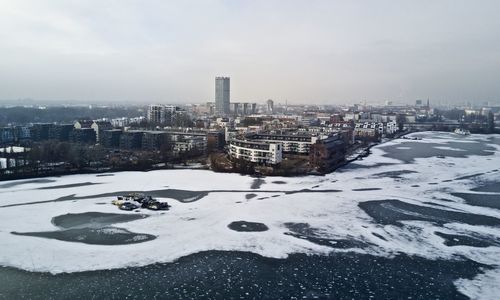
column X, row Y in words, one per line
column 327, row 154
column 215, row 141
column 291, row 143
column 6, row 135
column 186, row 144
column 154, row 140
column 131, row 140
column 111, row 138
column 84, row 123
column 61, row 132
column 257, row 152
column 120, row 122
column 40, row 131
column 410, row 118
column 83, row 136
column 100, row 126
column 368, row 131
column 22, row 133
column 391, row 127
column 230, row 133
column 223, row 122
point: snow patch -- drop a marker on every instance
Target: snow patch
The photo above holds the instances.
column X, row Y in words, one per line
column 483, row 286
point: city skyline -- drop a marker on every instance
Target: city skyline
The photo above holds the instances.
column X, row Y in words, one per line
column 326, row 52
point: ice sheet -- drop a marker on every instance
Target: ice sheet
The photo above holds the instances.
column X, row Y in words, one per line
column 328, row 203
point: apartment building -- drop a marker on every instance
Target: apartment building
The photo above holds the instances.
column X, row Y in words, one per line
column 258, row 152
column 291, row 143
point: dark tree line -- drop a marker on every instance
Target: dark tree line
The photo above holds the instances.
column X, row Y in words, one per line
column 77, row 156
column 54, row 157
column 220, row 163
column 24, row 115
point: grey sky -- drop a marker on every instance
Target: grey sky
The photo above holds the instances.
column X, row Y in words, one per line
column 302, row 51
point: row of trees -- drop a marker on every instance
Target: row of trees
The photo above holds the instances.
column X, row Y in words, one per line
column 53, row 156
column 62, row 114
column 219, row 162
column 75, row 155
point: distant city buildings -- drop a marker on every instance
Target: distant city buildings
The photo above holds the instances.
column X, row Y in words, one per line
column 222, row 95
column 83, row 136
column 99, row 127
column 120, row 122
column 243, row 109
column 162, row 114
column 40, row 131
column 290, row 139
column 156, row 113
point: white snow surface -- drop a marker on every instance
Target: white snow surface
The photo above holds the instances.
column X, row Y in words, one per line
column 3, row 162
column 14, row 149
column 483, row 286
column 202, row 225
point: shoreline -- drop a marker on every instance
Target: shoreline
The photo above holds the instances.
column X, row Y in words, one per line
column 365, row 152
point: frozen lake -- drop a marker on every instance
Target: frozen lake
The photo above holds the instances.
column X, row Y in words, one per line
column 416, row 218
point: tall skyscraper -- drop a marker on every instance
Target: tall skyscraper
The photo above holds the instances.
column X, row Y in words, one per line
column 270, row 106
column 222, row 95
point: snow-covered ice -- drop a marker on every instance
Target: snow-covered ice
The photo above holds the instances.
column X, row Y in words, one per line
column 190, row 227
column 483, row 286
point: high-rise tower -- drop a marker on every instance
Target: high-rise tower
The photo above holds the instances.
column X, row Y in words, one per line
column 222, row 95
column 270, row 106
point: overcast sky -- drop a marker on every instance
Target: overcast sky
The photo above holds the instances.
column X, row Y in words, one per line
column 300, row 51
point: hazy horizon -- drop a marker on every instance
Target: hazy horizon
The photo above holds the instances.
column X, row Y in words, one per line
column 323, row 52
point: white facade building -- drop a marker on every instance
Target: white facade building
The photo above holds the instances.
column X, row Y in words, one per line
column 161, row 114
column 391, row 127
column 156, row 113
column 298, row 144
column 119, row 122
column 187, row 143
column 258, row 152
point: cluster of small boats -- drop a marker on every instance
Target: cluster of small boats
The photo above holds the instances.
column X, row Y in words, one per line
column 414, row 138
column 135, row 201
column 462, row 131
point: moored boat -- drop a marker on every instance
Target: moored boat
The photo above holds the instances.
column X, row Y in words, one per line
column 462, row 131
column 135, row 201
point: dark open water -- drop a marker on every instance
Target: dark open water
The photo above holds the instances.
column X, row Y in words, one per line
column 241, row 275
